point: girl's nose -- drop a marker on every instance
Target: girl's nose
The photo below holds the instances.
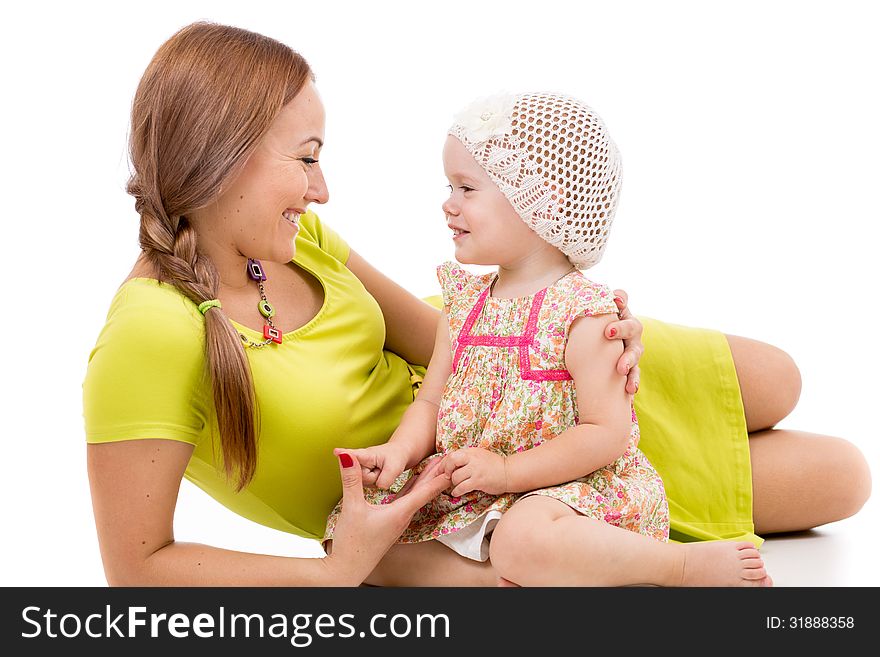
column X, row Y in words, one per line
column 449, row 207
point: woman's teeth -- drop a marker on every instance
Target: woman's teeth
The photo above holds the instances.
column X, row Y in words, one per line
column 292, row 217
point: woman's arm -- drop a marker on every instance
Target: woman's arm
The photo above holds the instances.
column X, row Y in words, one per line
column 409, row 321
column 134, row 485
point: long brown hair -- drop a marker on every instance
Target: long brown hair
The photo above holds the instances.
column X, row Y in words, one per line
column 202, row 106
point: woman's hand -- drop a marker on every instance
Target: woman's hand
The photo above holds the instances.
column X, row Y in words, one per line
column 382, row 464
column 475, row 468
column 364, row 531
column 628, row 329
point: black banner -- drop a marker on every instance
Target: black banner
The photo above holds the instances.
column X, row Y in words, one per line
column 375, row 621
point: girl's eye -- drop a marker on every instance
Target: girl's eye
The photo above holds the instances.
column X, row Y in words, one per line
column 465, row 188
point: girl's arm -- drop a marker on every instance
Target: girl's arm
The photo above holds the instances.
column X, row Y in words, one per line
column 604, row 410
column 409, row 322
column 419, row 424
column 415, row 436
column 134, row 485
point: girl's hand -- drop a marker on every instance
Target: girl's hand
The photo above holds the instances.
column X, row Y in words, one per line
column 382, row 464
column 364, row 531
column 475, row 468
column 628, row 329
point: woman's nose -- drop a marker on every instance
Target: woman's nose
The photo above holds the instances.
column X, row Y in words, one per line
column 317, row 192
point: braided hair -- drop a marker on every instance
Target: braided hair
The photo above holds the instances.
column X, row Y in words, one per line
column 205, row 101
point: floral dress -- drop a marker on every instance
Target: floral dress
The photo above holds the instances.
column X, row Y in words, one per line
column 508, row 392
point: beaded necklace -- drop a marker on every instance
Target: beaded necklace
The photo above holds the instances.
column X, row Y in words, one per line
column 270, row 333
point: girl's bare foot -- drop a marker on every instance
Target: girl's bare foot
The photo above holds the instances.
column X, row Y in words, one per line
column 723, row 563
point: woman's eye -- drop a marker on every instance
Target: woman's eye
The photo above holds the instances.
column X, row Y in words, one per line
column 309, row 160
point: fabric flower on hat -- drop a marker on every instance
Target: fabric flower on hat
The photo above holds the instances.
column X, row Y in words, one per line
column 487, row 117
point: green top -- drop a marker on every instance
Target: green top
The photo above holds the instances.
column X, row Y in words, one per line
column 329, row 384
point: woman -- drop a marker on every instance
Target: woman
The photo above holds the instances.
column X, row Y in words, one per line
column 232, row 359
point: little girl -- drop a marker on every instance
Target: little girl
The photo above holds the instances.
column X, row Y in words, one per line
column 522, row 401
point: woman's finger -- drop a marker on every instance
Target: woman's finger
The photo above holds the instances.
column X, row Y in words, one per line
column 406, row 486
column 433, row 469
column 460, row 475
column 621, row 299
column 352, row 483
column 433, row 465
column 630, row 358
column 624, row 329
column 425, row 489
column 632, row 380
column 462, row 488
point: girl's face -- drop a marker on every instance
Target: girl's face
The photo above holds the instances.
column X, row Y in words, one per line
column 257, row 215
column 486, row 228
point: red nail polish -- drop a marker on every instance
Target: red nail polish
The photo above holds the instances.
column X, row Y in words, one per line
column 613, row 332
column 619, row 300
column 346, row 460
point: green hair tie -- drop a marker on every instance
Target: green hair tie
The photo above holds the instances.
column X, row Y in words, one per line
column 205, row 306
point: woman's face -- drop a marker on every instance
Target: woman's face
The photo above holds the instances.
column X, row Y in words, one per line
column 486, row 228
column 257, row 215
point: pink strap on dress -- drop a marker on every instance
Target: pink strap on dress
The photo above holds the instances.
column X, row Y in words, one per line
column 522, row 342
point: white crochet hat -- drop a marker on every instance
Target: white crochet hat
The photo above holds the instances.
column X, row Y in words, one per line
column 552, row 158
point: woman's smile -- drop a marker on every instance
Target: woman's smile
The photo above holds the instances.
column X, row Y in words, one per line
column 292, row 217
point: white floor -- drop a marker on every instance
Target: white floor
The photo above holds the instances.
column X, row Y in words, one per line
column 839, row 554
column 66, row 553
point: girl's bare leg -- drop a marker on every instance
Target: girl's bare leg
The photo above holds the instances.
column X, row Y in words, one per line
column 786, row 465
column 542, row 542
column 430, row 564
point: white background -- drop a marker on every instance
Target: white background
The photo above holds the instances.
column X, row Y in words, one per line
column 750, row 141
